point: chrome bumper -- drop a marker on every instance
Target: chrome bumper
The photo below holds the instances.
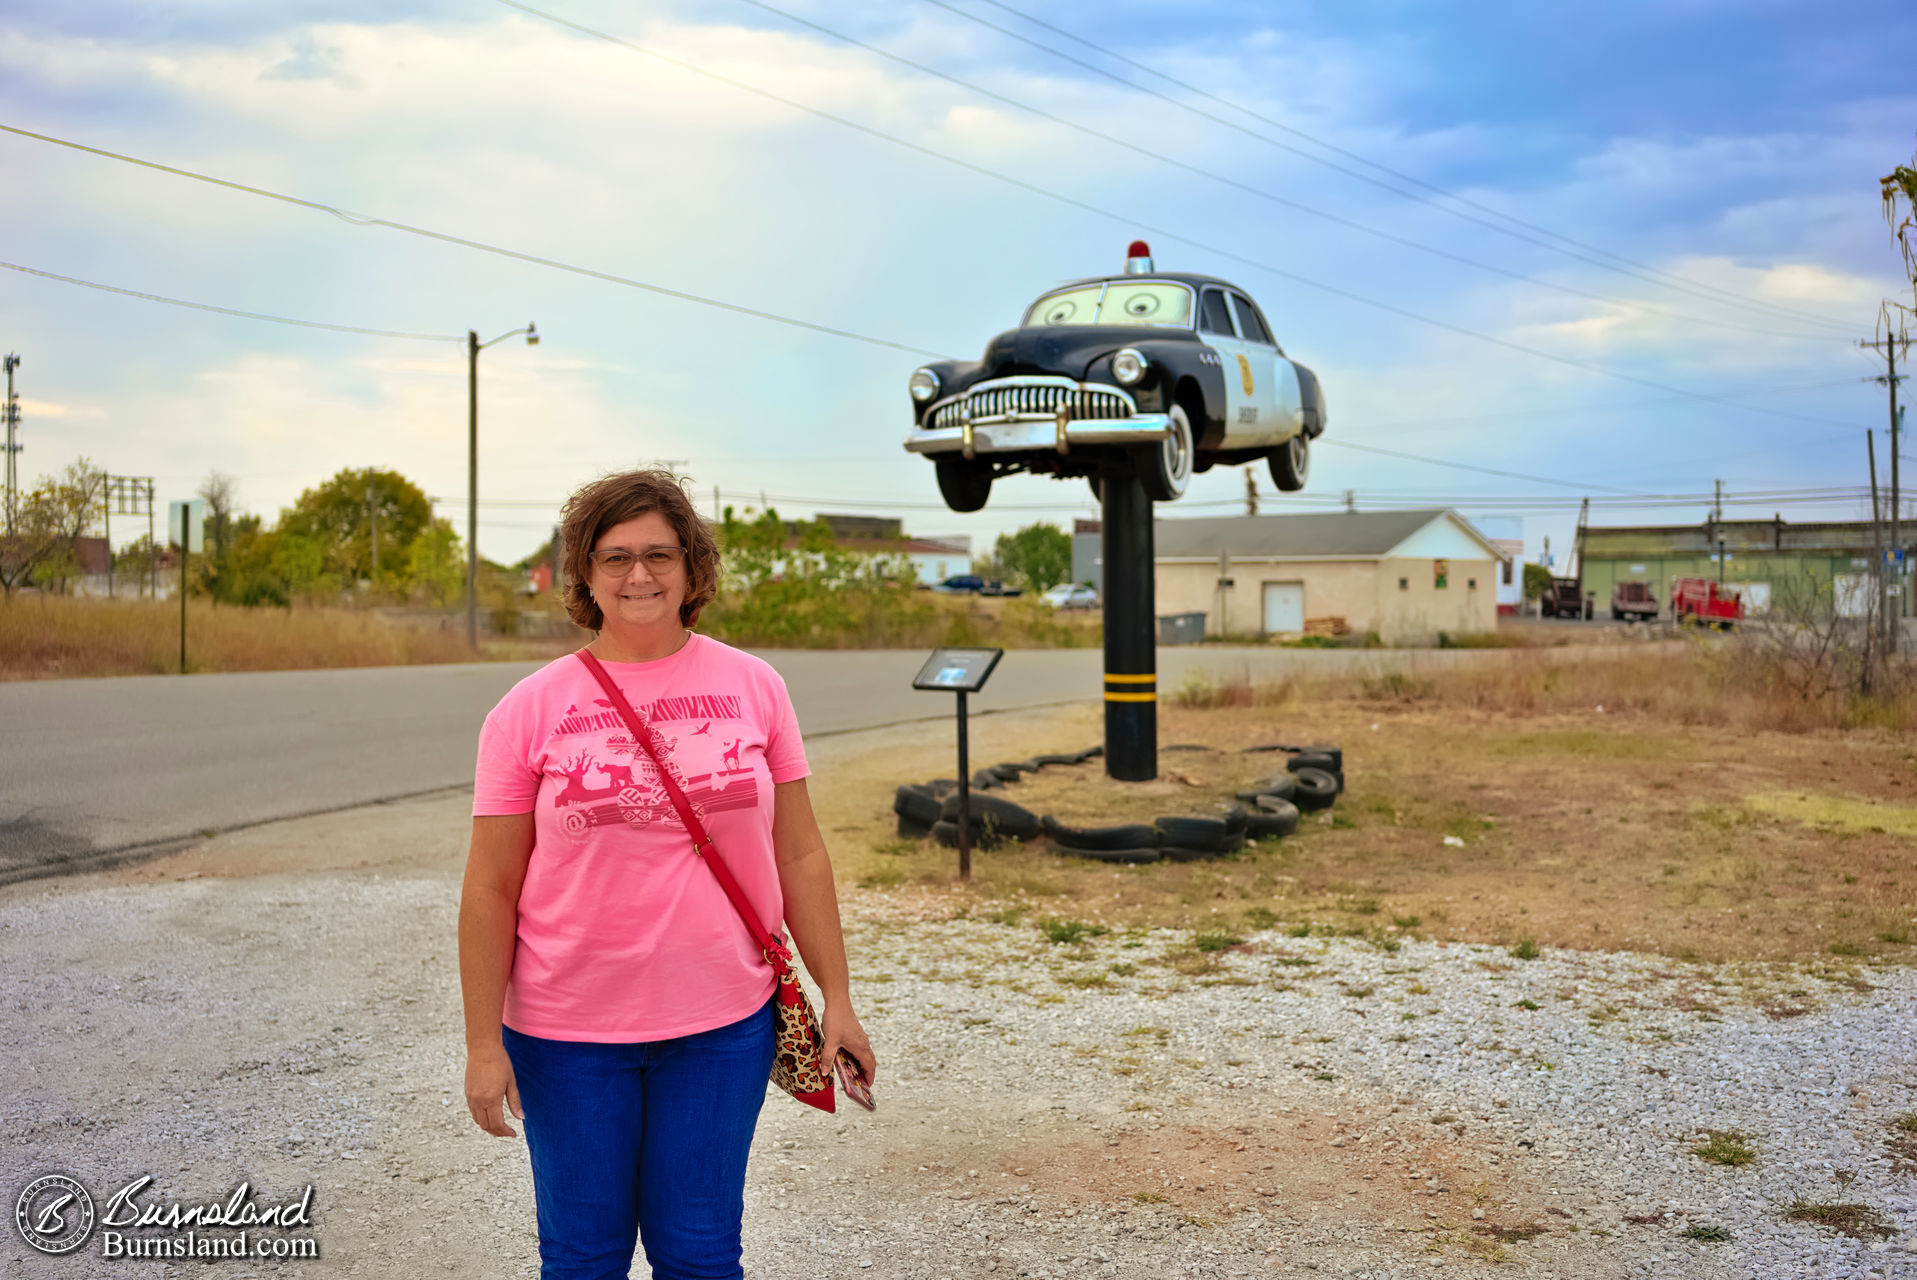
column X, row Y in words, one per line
column 1027, row 432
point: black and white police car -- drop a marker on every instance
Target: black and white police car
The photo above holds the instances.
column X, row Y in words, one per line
column 1159, row 373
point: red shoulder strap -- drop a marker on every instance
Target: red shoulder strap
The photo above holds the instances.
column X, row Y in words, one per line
column 774, row 950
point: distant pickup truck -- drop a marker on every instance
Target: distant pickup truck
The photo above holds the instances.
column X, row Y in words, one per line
column 1633, row 602
column 971, row 584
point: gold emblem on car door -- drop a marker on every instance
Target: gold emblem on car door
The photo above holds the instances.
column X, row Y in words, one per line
column 1244, row 373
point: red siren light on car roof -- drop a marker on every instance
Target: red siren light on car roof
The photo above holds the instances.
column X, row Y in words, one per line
column 1138, row 259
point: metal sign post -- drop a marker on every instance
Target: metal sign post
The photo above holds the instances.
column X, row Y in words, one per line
column 960, row 671
column 186, row 522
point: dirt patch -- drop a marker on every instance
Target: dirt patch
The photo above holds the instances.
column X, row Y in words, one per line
column 1613, row 832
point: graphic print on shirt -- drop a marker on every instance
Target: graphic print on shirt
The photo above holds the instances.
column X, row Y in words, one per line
column 630, row 791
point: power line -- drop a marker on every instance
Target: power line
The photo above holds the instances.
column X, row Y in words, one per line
column 1466, row 466
column 231, row 311
column 1139, row 225
column 1640, row 270
column 1223, row 179
column 363, row 220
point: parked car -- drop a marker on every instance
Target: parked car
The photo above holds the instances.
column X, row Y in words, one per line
column 1633, row 602
column 1070, row 595
column 1155, row 373
column 971, row 584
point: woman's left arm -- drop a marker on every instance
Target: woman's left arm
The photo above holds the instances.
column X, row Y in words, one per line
column 812, row 912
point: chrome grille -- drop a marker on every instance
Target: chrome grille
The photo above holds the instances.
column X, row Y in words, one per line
column 1011, row 400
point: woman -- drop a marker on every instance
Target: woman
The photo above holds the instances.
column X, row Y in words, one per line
column 615, row 1000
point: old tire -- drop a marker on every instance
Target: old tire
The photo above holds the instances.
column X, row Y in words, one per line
column 1042, row 761
column 1280, row 785
column 1165, row 466
column 1273, row 820
column 1184, row 853
column 985, row 780
column 1334, row 754
column 917, row 803
column 1008, row 819
column 1316, row 789
column 1117, row 857
column 1208, row 834
column 1291, row 463
column 946, row 833
column 1131, row 835
column 912, row 829
column 965, row 485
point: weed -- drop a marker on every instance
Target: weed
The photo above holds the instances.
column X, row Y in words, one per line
column 1299, row 931
column 1706, row 1232
column 1215, row 941
column 1532, row 1005
column 1526, row 949
column 1065, row 932
column 1123, row 969
column 1150, row 1197
column 1294, row 962
column 1407, row 922
column 1161, row 1034
column 1906, row 1123
column 1417, row 989
column 1085, row 980
column 1510, row 1235
column 1260, row 917
column 1727, row 1147
column 1445, row 1118
column 1854, row 1220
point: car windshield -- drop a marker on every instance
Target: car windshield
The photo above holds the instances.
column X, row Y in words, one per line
column 1129, row 302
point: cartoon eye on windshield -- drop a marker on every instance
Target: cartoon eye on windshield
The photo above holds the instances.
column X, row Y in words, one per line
column 1060, row 312
column 1143, row 304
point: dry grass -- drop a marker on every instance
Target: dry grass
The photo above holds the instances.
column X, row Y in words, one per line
column 44, row 637
column 1623, row 830
column 1703, row 681
column 1858, row 1221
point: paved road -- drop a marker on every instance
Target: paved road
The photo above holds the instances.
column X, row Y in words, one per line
column 93, row 771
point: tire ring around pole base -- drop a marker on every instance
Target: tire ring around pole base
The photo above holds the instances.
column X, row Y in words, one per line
column 1116, row 857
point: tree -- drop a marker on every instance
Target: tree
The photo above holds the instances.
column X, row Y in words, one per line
column 1036, row 557
column 337, row 519
column 1900, row 211
column 219, row 491
column 1537, row 581
column 51, row 520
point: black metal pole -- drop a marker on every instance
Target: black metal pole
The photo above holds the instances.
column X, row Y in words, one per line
column 472, row 490
column 186, row 519
column 965, row 794
column 1131, row 679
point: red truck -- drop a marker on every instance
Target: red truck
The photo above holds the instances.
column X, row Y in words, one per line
column 1702, row 602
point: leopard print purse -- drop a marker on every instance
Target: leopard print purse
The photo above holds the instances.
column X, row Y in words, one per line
column 798, row 1062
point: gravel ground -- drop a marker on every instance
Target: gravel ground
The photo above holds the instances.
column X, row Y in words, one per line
column 287, row 1013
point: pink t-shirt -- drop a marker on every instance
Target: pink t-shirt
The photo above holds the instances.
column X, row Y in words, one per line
column 624, row 932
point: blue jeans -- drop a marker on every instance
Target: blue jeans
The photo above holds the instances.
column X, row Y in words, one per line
column 647, row 1139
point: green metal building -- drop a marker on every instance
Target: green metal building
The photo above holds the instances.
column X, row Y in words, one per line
column 1763, row 557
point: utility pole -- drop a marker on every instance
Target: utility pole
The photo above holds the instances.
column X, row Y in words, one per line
column 1717, row 528
column 1876, row 554
column 1351, row 499
column 13, row 447
column 473, row 347
column 372, row 517
column 1888, row 345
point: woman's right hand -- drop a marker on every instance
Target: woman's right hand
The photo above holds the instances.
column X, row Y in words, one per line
column 490, row 1089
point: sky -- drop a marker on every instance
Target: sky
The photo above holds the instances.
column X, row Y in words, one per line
column 1615, row 250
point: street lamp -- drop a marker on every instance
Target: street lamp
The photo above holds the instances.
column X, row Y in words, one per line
column 473, row 347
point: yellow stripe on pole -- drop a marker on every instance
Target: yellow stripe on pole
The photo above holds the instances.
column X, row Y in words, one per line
column 1131, row 697
column 1111, row 678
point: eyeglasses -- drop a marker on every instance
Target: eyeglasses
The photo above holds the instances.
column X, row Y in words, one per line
column 618, row 562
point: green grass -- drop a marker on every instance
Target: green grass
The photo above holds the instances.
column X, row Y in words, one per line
column 1706, row 1232
column 1727, row 1147
column 1526, row 949
column 1215, row 940
column 1065, row 932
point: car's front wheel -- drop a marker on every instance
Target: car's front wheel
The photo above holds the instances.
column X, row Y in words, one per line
column 1165, row 467
column 1291, row 463
column 965, row 485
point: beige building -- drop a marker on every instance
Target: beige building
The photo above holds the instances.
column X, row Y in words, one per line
column 1406, row 575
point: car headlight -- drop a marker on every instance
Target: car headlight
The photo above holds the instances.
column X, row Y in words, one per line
column 1129, row 366
column 925, row 385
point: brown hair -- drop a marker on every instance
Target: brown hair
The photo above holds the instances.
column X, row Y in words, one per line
column 615, row 499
